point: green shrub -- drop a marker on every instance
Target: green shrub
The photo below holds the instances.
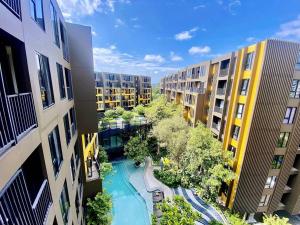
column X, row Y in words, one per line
column 169, row 177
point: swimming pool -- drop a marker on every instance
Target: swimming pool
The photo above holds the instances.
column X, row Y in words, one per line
column 129, row 207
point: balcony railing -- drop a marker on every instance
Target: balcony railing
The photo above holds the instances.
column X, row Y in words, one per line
column 14, row 6
column 17, row 119
column 221, row 91
column 216, row 126
column 42, row 203
column 224, row 72
column 218, row 109
column 15, row 204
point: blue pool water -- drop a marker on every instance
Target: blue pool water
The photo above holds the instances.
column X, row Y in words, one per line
column 129, row 208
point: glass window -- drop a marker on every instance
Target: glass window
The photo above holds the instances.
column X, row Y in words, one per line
column 45, row 80
column 283, row 139
column 64, row 203
column 36, row 12
column 55, row 149
column 277, row 161
column 244, row 86
column 239, row 111
column 67, row 128
column 72, row 167
column 270, row 183
column 264, row 201
column 73, row 120
column 76, row 152
column 69, row 83
column 295, row 89
column 298, row 62
column 249, row 60
column 54, row 23
column 64, row 42
column 289, row 115
column 232, row 149
column 235, row 132
column 77, row 203
column 61, row 81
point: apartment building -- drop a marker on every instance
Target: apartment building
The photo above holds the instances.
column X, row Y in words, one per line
column 127, row 91
column 250, row 100
column 41, row 162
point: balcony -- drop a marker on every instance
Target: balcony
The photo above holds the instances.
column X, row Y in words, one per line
column 15, row 198
column 218, row 109
column 221, row 91
column 14, row 6
column 224, row 72
column 216, row 126
column 17, row 112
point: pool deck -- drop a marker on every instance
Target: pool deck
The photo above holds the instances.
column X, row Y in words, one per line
column 152, row 184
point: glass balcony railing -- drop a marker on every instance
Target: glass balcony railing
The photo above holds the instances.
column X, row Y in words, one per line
column 224, row 72
column 221, row 91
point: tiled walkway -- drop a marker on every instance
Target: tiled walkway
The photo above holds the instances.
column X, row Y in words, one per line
column 207, row 212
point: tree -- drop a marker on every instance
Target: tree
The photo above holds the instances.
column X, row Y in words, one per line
column 275, row 220
column 136, row 149
column 175, row 212
column 127, row 116
column 99, row 210
column 160, row 109
column 105, row 166
column 172, row 133
column 119, row 111
column 205, row 164
column 155, row 92
column 110, row 114
column 140, row 110
column 215, row 222
column 235, row 219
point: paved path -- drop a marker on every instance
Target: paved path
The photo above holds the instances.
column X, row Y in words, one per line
column 152, row 183
column 207, row 212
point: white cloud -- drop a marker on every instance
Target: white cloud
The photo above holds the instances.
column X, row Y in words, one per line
column 199, row 50
column 199, row 6
column 185, row 35
column 136, row 26
column 251, row 39
column 134, row 19
column 174, row 57
column 75, row 8
column 154, row 58
column 111, row 60
column 290, row 30
column 94, row 33
column 233, row 5
column 119, row 23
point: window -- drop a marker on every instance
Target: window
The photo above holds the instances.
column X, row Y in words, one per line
column 73, row 120
column 277, row 161
column 232, row 149
column 264, row 201
column 249, row 60
column 235, row 132
column 295, row 89
column 239, row 111
column 270, row 183
column 45, row 80
column 54, row 23
column 283, row 139
column 67, row 128
column 55, row 149
column 36, row 12
column 289, row 115
column 69, row 83
column 64, row 42
column 297, row 67
column 61, row 81
column 72, row 167
column 64, row 203
column 76, row 152
column 244, row 86
column 77, row 203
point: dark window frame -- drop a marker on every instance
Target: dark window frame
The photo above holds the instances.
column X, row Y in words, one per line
column 39, row 21
column 45, row 81
column 240, row 111
column 249, row 61
column 236, row 132
column 61, row 81
column 54, row 23
column 295, row 89
column 55, row 150
column 244, row 87
column 283, row 139
column 64, row 202
column 277, row 161
column 290, row 114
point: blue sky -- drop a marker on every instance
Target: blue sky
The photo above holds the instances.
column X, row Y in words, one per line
column 157, row 37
